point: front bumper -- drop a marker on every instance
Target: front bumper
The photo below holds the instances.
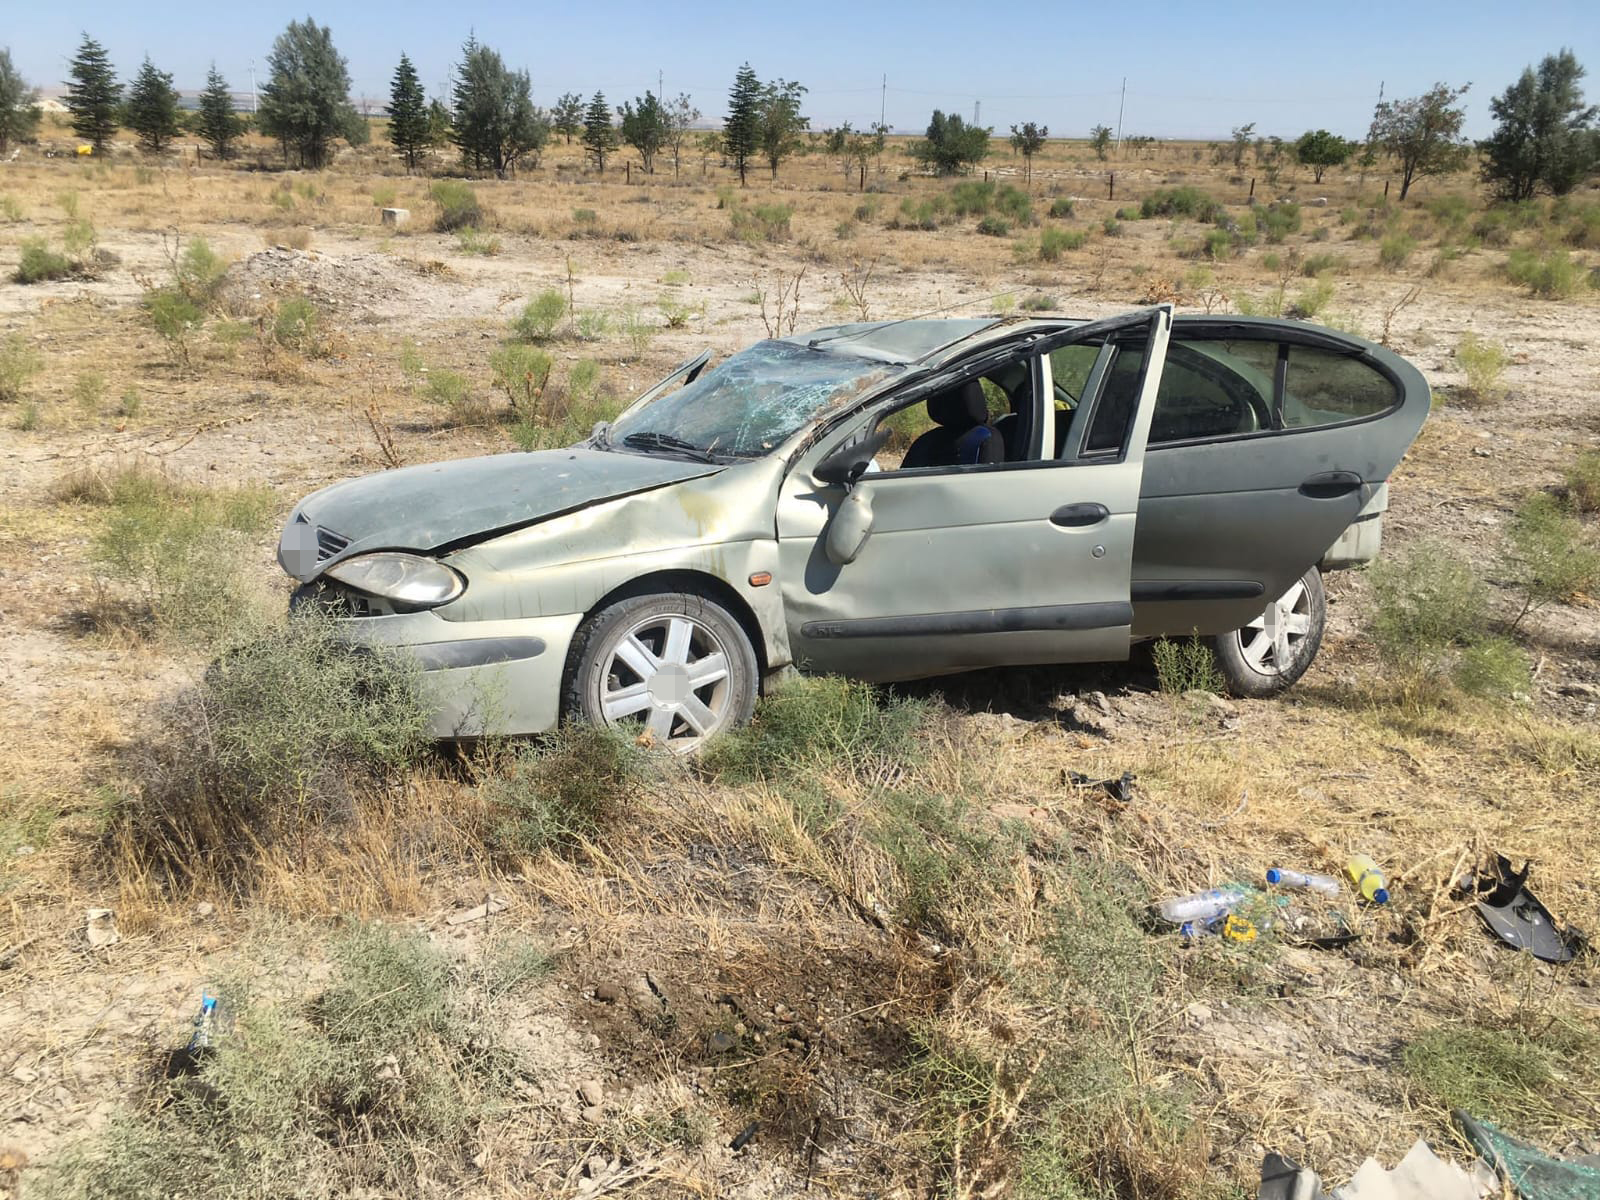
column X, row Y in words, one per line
column 478, row 677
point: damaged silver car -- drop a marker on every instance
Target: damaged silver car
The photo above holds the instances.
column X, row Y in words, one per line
column 889, row 500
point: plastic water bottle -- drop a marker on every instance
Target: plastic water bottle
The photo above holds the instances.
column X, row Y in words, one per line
column 1203, row 907
column 1326, row 884
column 1368, row 878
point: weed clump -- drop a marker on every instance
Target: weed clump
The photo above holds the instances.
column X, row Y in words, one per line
column 1483, row 362
column 1583, row 482
column 457, row 204
column 280, row 737
column 539, row 317
column 330, row 1095
column 1053, row 243
column 1552, row 275
column 19, row 363
column 568, row 787
column 1551, row 555
column 1188, row 202
column 814, row 725
column 1186, row 665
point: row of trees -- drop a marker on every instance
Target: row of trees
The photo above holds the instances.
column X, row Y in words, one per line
column 1545, row 137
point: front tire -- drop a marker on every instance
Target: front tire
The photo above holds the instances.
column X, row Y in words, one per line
column 1268, row 655
column 673, row 669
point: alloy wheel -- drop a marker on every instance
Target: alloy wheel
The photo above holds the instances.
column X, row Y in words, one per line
column 1271, row 644
column 669, row 675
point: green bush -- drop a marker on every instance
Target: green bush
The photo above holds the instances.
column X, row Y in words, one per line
column 451, row 389
column 181, row 553
column 1186, row 665
column 1552, row 558
column 570, row 785
column 39, row 263
column 1279, row 221
column 10, row 210
column 540, row 316
column 1395, row 249
column 523, row 373
column 471, row 240
column 200, row 272
column 1582, row 480
column 817, row 724
column 1054, row 242
column 297, row 325
column 1129, row 213
column 1014, row 203
column 1585, row 229
column 457, row 204
column 567, row 419
column 1430, row 622
column 925, row 213
column 1039, row 302
column 994, row 226
column 585, row 216
column 1111, row 227
column 1450, row 210
column 1483, row 362
column 972, row 198
column 1218, row 245
column 1060, row 208
column 175, row 318
column 1322, row 264
column 1552, row 275
column 1180, row 202
column 384, row 195
column 1311, row 301
column 19, row 363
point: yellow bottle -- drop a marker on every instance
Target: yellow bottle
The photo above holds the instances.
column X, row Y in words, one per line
column 1368, row 878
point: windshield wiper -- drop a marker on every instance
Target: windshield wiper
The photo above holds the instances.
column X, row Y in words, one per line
column 651, row 440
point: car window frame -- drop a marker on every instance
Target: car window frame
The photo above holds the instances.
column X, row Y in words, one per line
column 1284, row 338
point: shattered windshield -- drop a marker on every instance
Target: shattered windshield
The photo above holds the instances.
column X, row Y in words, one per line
column 752, row 402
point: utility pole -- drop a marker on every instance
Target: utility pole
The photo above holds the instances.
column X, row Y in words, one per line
column 977, row 107
column 252, row 87
column 1121, row 104
column 661, row 85
column 883, row 102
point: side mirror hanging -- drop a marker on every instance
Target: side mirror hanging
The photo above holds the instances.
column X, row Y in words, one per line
column 849, row 463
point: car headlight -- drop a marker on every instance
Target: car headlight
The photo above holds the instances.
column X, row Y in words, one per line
column 407, row 579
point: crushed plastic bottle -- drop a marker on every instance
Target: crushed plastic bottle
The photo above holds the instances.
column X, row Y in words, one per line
column 204, row 1023
column 1203, row 907
column 1368, row 878
column 1326, row 884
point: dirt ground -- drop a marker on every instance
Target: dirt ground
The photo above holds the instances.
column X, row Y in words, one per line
column 677, row 936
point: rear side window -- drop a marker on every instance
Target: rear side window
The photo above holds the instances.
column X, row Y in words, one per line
column 1324, row 388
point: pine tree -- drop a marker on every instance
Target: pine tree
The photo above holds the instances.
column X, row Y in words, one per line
column 741, row 134
column 93, row 95
column 216, row 121
column 19, row 105
column 568, row 115
column 599, row 135
column 153, row 108
column 408, row 113
column 306, row 101
column 496, row 124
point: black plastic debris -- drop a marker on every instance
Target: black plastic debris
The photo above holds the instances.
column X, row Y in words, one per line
column 1514, row 915
column 744, row 1136
column 1119, row 789
column 1284, row 1179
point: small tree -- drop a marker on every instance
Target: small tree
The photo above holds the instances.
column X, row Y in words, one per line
column 599, row 135
column 496, row 124
column 567, row 115
column 1319, row 150
column 153, row 108
column 681, row 116
column 1544, row 137
column 306, row 101
column 215, row 121
column 1241, row 136
column 1423, row 133
column 853, row 150
column 741, row 133
column 19, row 107
column 951, row 146
column 781, row 122
column 1027, row 140
column 1100, row 139
column 408, row 113
column 93, row 95
column 645, row 128
column 441, row 126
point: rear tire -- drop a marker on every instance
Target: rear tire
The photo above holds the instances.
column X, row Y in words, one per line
column 1268, row 655
column 673, row 668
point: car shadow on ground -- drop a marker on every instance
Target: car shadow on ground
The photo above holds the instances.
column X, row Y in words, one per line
column 1043, row 694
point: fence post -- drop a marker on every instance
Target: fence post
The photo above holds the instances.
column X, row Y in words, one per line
column 1111, row 186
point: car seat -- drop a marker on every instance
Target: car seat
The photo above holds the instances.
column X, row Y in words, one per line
column 962, row 437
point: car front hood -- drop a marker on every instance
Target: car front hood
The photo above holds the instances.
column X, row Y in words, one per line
column 441, row 506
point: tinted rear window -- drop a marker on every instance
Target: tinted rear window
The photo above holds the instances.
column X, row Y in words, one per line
column 1324, row 388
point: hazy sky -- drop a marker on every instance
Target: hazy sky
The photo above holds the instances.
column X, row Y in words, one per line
column 1193, row 70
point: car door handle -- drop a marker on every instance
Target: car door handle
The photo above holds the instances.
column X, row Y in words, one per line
column 1330, row 485
column 1075, row 515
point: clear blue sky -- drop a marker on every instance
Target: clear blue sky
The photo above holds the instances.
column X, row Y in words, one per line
column 1193, row 69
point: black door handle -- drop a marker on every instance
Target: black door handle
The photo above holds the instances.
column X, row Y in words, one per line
column 1330, row 485
column 1072, row 515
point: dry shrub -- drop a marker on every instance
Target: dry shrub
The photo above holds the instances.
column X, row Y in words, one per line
column 280, row 740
